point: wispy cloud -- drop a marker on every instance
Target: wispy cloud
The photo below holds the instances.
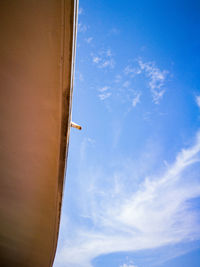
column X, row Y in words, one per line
column 118, row 78
column 82, row 27
column 89, row 40
column 103, row 59
column 127, row 265
column 136, row 99
column 80, row 76
column 104, row 93
column 156, row 78
column 129, row 70
column 96, row 59
column 103, row 89
column 198, row 101
column 158, row 212
column 114, row 31
column 104, row 96
column 126, row 84
column 108, row 63
column 80, row 11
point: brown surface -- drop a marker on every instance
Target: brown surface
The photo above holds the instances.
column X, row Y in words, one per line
column 36, row 43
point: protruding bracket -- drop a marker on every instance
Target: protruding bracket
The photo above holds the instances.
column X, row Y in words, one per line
column 74, row 125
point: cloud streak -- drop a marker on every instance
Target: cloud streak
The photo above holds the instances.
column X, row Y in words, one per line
column 82, row 27
column 103, row 89
column 104, row 59
column 198, row 101
column 128, row 265
column 136, row 99
column 157, row 213
column 104, row 96
column 80, row 11
column 156, row 78
column 89, row 40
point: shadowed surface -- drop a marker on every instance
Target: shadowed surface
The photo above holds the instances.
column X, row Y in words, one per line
column 36, row 52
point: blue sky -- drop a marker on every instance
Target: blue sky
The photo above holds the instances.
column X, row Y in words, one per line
column 132, row 189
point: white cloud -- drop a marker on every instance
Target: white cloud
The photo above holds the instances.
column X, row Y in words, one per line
column 126, row 84
column 198, row 101
column 128, row 265
column 108, row 63
column 136, row 99
column 96, row 60
column 114, row 31
column 156, row 78
column 104, row 96
column 82, row 27
column 89, row 40
column 91, row 141
column 108, row 52
column 103, row 89
column 80, row 11
column 157, row 212
column 118, row 78
column 104, row 59
column 129, row 70
column 80, row 76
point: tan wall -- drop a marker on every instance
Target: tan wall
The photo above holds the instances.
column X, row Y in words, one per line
column 36, row 40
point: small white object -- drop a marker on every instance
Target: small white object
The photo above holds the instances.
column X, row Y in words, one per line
column 74, row 125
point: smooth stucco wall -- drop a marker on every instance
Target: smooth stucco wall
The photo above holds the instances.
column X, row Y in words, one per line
column 36, row 54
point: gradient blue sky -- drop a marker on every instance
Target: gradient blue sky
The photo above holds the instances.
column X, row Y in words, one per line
column 132, row 190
